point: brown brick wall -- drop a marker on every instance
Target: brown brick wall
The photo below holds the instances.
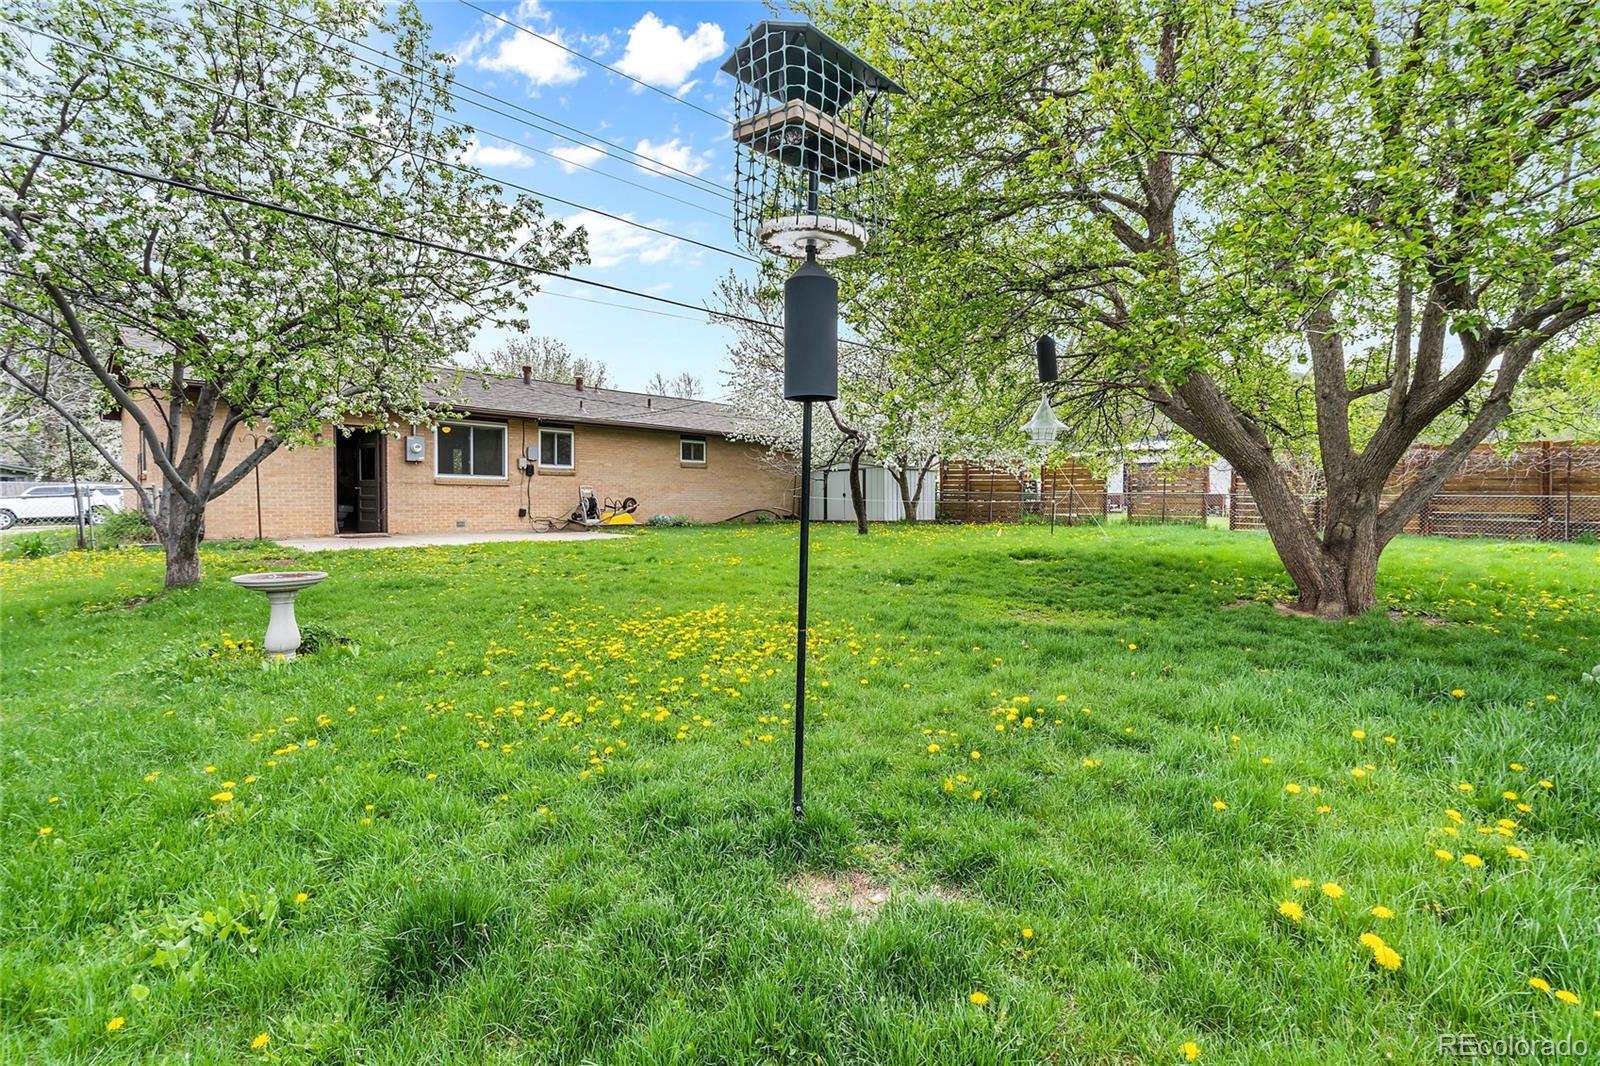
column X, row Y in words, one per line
column 297, row 485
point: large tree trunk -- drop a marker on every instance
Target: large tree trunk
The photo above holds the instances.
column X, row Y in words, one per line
column 1335, row 576
column 179, row 528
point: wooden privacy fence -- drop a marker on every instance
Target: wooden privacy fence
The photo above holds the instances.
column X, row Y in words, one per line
column 1545, row 491
column 971, row 492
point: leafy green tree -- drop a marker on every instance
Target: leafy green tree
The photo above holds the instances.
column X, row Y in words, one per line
column 1308, row 229
column 204, row 318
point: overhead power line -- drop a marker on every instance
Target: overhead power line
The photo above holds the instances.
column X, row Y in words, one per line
column 469, row 170
column 583, row 138
column 404, row 238
column 362, row 227
column 591, row 59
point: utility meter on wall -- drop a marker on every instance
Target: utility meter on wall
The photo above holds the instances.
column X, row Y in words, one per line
column 415, row 451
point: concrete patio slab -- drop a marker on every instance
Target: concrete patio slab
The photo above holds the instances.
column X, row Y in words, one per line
column 424, row 540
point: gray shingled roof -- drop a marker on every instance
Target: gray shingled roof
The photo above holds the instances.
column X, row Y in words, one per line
column 555, row 401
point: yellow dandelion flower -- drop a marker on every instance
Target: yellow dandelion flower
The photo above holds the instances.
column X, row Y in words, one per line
column 1458, row 693
column 1359, row 734
column 1301, row 882
column 1332, row 891
column 116, row 1023
column 1515, row 852
column 1323, row 809
column 1547, row 784
column 1218, row 805
column 1540, row 983
column 1133, row 647
column 1567, row 997
column 261, row 1040
column 1291, row 910
column 46, row 830
column 933, row 749
column 1381, row 912
column 301, row 897
column 221, row 797
column 1292, row 788
column 1469, row 859
column 1443, row 855
column 1191, row 1051
column 978, row 999
column 1027, row 933
column 1453, row 814
column 1464, row 787
column 1387, row 957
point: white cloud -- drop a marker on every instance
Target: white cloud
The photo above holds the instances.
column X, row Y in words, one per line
column 536, row 59
column 662, row 55
column 575, row 156
column 613, row 242
column 673, row 153
column 494, row 155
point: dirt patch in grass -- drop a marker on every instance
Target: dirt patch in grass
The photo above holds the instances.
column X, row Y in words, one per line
column 1421, row 616
column 848, row 891
column 857, row 893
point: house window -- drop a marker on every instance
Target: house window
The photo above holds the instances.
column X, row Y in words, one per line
column 692, row 450
column 555, row 448
column 470, row 449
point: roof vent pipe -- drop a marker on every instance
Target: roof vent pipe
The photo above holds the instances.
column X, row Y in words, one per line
column 649, row 403
column 578, row 381
column 527, row 374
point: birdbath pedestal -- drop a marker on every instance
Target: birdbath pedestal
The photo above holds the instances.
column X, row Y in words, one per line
column 283, row 633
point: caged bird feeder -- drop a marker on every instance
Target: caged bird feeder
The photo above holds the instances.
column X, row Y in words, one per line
column 809, row 117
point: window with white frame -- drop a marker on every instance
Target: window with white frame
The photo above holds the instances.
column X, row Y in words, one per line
column 470, row 449
column 692, row 450
column 555, row 448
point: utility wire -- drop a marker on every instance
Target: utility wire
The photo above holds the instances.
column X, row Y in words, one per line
column 591, row 59
column 420, row 242
column 584, row 137
column 469, row 170
column 362, row 227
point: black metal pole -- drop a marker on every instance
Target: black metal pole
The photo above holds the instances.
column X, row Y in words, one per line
column 800, row 630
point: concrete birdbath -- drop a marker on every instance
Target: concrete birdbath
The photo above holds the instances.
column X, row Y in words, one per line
column 283, row 633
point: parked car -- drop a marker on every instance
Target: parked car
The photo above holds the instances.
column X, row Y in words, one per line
column 54, row 503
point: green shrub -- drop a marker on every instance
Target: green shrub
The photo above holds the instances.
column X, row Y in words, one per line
column 670, row 520
column 126, row 527
column 436, row 933
column 33, row 546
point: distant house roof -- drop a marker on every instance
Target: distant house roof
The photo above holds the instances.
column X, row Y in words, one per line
column 558, row 401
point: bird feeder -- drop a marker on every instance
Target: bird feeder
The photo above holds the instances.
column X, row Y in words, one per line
column 809, row 120
column 807, row 126
column 1044, row 427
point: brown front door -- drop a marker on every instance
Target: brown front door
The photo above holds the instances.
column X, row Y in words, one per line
column 369, row 482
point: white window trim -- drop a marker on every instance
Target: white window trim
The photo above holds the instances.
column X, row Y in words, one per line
column 705, row 451
column 505, row 444
column 572, row 434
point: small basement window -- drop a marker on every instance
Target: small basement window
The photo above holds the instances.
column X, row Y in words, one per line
column 470, row 449
column 555, row 448
column 692, row 450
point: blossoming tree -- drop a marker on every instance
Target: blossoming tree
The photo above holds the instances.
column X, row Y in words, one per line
column 213, row 323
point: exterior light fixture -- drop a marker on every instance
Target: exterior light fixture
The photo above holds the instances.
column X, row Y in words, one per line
column 807, row 114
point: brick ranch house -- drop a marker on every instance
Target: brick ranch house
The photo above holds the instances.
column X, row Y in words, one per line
column 519, row 448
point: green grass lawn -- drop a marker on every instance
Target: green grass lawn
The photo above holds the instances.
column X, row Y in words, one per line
column 1081, row 798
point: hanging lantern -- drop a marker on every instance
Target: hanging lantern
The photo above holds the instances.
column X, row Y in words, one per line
column 1044, row 427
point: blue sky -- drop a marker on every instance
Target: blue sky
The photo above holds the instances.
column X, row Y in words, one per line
column 675, row 47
